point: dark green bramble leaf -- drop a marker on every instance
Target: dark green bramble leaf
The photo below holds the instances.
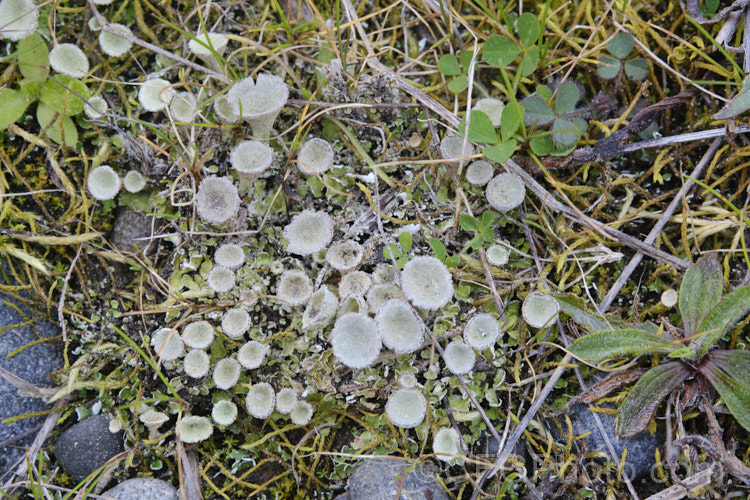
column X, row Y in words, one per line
column 501, row 152
column 528, row 29
column 405, row 241
column 529, row 62
column 700, row 291
column 638, row 408
column 636, row 69
column 55, row 94
column 13, row 104
column 621, row 45
column 468, row 223
column 510, row 120
column 480, row 128
column 458, row 84
column 567, row 132
column 33, row 58
column 722, row 317
column 536, row 111
column 500, row 51
column 62, row 125
column 448, row 65
column 438, row 249
column 608, row 67
column 567, row 98
column 596, row 347
column 728, row 373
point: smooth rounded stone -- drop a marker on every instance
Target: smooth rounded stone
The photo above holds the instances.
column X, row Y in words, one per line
column 374, row 480
column 145, row 488
column 87, row 446
column 33, row 364
column 130, row 228
column 641, row 448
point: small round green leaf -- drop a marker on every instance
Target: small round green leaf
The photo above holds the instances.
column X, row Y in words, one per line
column 33, row 58
column 536, row 111
column 636, row 69
column 500, row 51
column 55, row 94
column 12, row 106
column 567, row 98
column 500, row 153
column 621, row 45
column 448, row 65
column 510, row 120
column 608, row 67
column 458, row 84
column 529, row 62
column 480, row 128
column 62, row 126
column 565, row 132
column 528, row 29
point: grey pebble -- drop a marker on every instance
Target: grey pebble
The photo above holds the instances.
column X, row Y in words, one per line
column 145, row 488
column 33, row 364
column 87, row 446
column 374, row 480
column 640, row 457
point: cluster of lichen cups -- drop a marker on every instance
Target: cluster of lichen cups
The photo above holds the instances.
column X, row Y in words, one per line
column 358, row 316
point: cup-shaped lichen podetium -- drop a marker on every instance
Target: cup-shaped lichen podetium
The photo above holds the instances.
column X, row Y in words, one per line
column 259, row 102
column 207, row 46
column 250, row 159
column 217, row 200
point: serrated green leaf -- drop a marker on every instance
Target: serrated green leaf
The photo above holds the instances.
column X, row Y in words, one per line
column 404, row 239
column 480, row 128
column 55, row 94
column 62, row 125
column 565, row 132
column 621, row 45
column 448, row 65
column 636, row 69
column 529, row 62
column 468, row 223
column 500, row 51
column 476, row 242
column 738, row 105
column 510, row 120
column 488, row 217
column 700, row 292
column 458, row 84
column 501, row 152
column 542, row 145
column 596, row 347
column 528, row 29
column 608, row 67
column 13, row 104
column 567, row 98
column 733, row 391
column 438, row 249
column 33, row 58
column 722, row 317
column 536, row 111
column 638, row 408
